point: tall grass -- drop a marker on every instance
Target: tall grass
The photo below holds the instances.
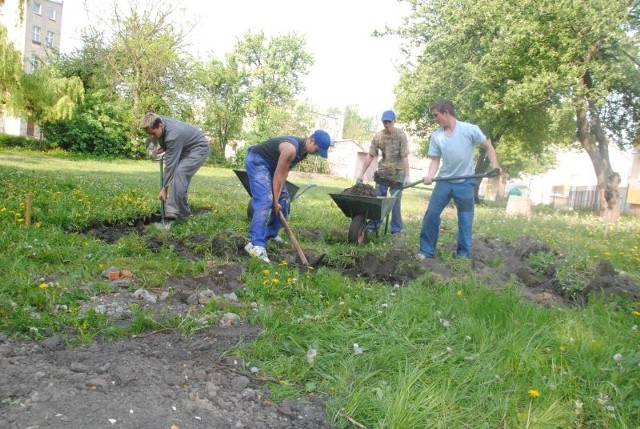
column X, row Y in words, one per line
column 427, row 353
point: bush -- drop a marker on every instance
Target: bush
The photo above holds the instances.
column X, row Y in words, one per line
column 7, row 140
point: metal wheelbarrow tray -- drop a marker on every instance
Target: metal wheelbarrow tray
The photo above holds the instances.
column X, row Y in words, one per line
column 363, row 211
column 291, row 189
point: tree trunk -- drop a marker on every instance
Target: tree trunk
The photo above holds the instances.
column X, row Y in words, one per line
column 596, row 144
column 482, row 166
column 502, row 187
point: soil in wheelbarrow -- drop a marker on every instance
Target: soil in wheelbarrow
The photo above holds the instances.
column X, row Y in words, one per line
column 361, row 191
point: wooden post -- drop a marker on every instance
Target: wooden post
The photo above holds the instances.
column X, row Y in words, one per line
column 27, row 214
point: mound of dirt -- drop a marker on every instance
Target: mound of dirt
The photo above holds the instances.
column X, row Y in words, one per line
column 361, row 190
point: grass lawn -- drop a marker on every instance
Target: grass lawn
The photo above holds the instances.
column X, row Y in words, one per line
column 429, row 353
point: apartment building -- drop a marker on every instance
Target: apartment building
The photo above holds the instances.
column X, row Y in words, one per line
column 35, row 31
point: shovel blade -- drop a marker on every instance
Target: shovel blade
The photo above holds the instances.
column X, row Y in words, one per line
column 163, row 226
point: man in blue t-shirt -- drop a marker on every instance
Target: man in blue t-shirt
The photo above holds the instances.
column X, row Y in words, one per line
column 451, row 149
column 268, row 164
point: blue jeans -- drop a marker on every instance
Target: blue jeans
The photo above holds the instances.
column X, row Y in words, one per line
column 264, row 224
column 396, row 212
column 463, row 197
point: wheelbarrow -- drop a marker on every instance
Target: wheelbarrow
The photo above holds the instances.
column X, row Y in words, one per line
column 293, row 190
column 364, row 211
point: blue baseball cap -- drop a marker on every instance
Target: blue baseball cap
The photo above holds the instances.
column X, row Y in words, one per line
column 388, row 115
column 323, row 141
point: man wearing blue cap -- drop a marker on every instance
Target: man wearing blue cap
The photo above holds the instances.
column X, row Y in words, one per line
column 392, row 142
column 268, row 164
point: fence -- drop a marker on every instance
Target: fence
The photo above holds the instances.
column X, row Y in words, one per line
column 583, row 197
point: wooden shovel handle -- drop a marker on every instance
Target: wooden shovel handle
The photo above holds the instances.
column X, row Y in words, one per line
column 292, row 237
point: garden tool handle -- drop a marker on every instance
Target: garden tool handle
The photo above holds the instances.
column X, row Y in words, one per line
column 292, row 237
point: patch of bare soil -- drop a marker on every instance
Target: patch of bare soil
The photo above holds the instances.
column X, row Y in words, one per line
column 162, row 379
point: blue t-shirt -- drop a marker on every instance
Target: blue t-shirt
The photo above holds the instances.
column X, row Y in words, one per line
column 456, row 151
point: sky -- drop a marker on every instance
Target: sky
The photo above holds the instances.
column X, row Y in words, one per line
column 351, row 66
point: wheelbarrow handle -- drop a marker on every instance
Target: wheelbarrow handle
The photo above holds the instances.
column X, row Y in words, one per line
column 299, row 194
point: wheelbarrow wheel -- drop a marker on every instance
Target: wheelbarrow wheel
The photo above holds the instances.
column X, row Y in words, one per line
column 250, row 210
column 358, row 230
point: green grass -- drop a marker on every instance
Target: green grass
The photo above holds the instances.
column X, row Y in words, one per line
column 429, row 353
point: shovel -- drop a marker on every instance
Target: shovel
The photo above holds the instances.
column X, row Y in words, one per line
column 398, row 185
column 296, row 245
column 293, row 239
column 164, row 225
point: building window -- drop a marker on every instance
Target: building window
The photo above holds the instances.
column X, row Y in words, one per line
column 36, row 34
column 50, row 39
column 37, row 8
column 52, row 14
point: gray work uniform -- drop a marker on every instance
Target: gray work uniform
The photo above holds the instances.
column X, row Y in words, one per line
column 186, row 149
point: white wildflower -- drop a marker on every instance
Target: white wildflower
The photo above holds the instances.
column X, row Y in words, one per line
column 311, row 356
column 357, row 350
column 617, row 357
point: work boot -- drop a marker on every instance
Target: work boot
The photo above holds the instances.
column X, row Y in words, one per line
column 257, row 251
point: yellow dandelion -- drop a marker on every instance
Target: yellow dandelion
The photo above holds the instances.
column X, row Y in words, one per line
column 275, row 281
column 266, row 272
column 289, row 280
column 43, row 285
column 460, row 292
column 636, row 313
column 284, row 263
column 534, row 393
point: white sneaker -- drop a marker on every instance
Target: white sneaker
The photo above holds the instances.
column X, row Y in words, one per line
column 257, row 251
column 278, row 239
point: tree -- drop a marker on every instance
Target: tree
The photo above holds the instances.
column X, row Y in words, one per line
column 274, row 67
column 357, row 127
column 10, row 72
column 140, row 50
column 100, row 124
column 48, row 96
column 529, row 73
column 222, row 89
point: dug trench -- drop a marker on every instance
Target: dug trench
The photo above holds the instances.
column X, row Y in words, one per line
column 164, row 379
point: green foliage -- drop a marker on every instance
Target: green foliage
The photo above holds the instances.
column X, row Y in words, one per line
column 524, row 71
column 357, row 127
column 274, row 68
column 95, row 128
column 223, row 90
column 10, row 72
column 7, row 140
